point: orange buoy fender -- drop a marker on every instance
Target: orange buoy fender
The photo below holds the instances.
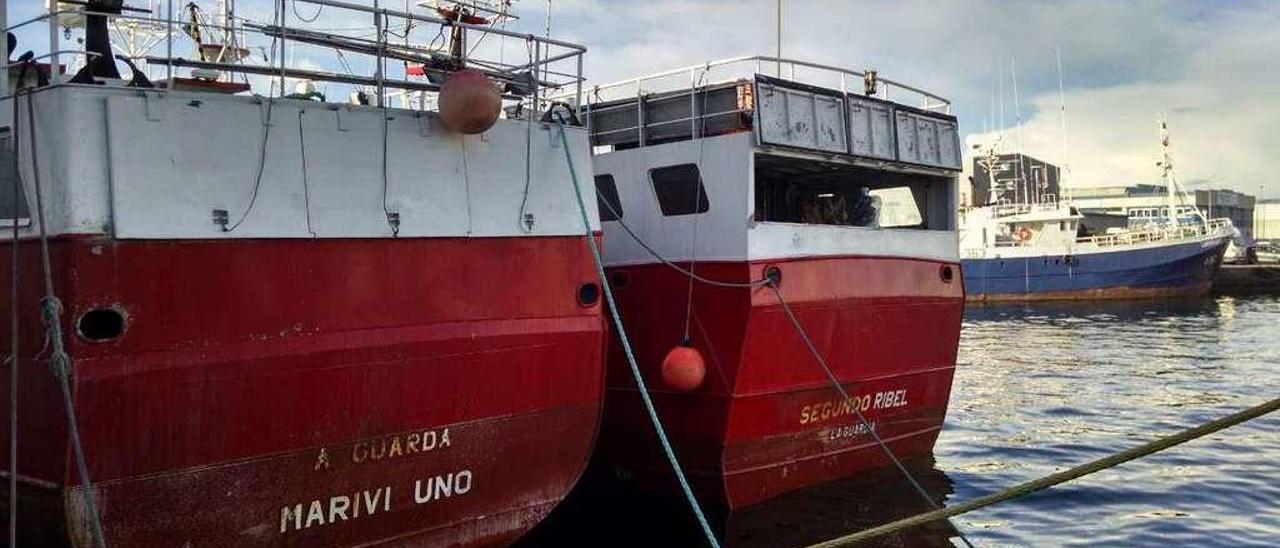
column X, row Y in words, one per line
column 683, row 368
column 469, row 102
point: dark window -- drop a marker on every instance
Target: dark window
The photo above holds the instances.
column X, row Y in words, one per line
column 679, row 189
column 607, row 197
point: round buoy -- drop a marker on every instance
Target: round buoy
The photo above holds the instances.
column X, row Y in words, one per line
column 683, row 368
column 469, row 102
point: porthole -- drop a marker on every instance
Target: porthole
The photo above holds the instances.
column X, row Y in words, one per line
column 101, row 324
column 774, row 274
column 588, row 294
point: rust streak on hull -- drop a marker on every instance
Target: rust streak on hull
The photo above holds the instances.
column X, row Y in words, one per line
column 261, row 389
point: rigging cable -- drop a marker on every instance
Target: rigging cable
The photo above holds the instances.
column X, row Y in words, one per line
column 302, row 146
column 804, row 336
column 277, row 18
column 884, row 447
column 626, row 345
column 386, row 210
column 644, row 245
column 524, row 221
column 697, row 189
column 319, row 10
column 59, row 361
column 262, row 163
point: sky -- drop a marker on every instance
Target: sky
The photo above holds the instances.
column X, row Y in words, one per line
column 1208, row 67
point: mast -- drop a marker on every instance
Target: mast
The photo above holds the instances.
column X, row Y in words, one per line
column 1167, row 172
column 778, row 36
column 1017, row 120
column 1066, row 159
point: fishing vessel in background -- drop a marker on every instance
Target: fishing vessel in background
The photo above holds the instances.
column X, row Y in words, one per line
column 289, row 320
column 1031, row 246
column 841, row 199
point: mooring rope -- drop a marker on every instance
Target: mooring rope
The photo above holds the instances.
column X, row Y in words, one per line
column 884, row 447
column 686, row 272
column 1046, row 482
column 14, row 331
column 766, row 281
column 626, row 346
column 51, row 315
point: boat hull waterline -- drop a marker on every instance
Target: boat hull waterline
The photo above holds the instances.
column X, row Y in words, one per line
column 1174, row 270
column 767, row 420
column 275, row 392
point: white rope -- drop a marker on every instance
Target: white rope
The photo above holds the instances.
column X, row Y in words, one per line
column 59, row 361
column 626, row 348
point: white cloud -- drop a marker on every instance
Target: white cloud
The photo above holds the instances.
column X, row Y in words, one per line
column 1209, row 66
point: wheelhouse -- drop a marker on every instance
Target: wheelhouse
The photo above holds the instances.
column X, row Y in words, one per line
column 772, row 167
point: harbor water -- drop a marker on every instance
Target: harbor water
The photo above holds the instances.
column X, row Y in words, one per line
column 1040, row 389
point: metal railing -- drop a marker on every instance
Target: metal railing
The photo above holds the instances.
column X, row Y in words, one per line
column 748, row 65
column 551, row 67
column 1166, row 234
column 696, row 79
column 1193, row 232
column 1005, row 208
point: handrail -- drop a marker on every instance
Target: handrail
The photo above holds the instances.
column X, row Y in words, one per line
column 439, row 21
column 548, row 51
column 1158, row 235
column 1186, row 232
column 944, row 103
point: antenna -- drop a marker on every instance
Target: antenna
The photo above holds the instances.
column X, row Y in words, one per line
column 989, row 122
column 1017, row 114
column 1000, row 81
column 778, row 36
column 1066, row 159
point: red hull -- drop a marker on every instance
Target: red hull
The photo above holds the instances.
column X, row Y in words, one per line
column 766, row 421
column 257, row 379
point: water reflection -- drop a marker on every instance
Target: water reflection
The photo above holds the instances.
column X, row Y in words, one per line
column 800, row 518
column 835, row 509
column 1040, row 389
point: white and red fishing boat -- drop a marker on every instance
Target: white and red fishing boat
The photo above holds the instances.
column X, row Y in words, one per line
column 293, row 321
column 846, row 200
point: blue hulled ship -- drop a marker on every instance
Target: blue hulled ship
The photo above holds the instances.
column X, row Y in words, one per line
column 1034, row 255
column 1015, row 251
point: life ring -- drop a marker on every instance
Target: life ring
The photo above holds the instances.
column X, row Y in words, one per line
column 1022, row 234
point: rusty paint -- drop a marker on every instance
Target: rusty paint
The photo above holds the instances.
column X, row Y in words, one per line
column 259, row 377
column 888, row 327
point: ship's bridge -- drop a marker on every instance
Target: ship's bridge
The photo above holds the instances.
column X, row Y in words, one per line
column 812, row 160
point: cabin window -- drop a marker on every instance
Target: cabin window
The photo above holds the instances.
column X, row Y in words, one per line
column 679, row 189
column 897, row 207
column 607, row 198
column 9, row 209
column 808, row 191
